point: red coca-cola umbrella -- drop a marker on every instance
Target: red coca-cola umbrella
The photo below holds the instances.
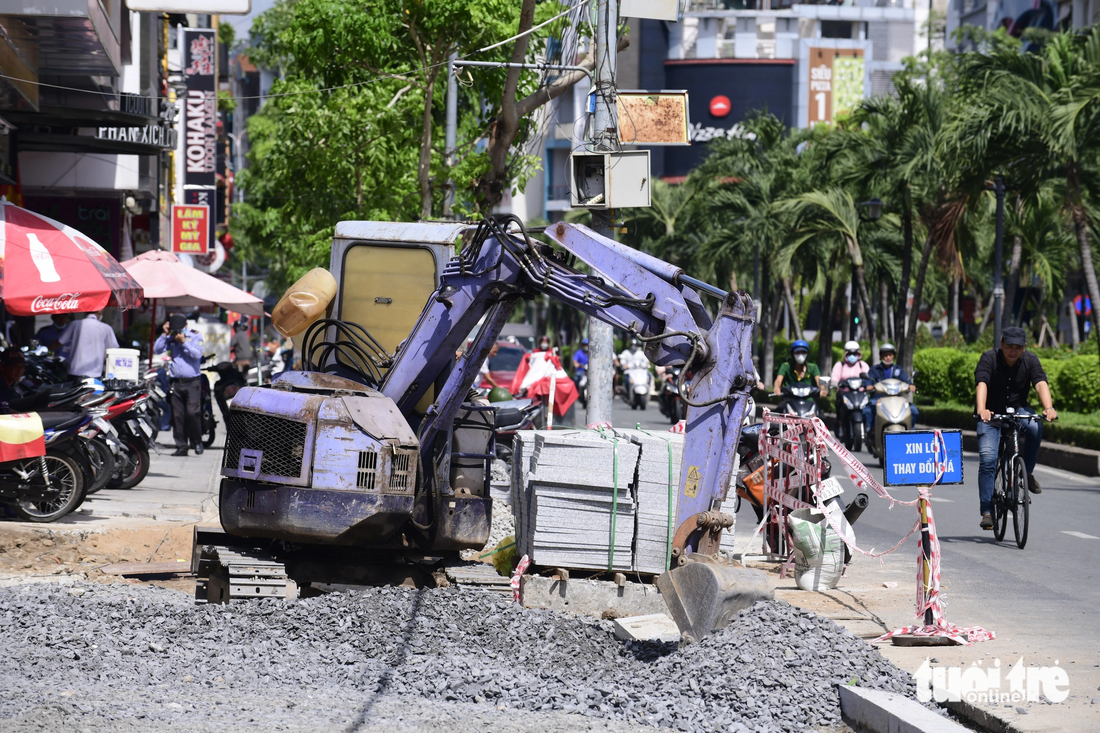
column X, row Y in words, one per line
column 48, row 267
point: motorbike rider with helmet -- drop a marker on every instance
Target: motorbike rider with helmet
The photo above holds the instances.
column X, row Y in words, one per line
column 798, row 369
column 851, row 366
column 885, row 369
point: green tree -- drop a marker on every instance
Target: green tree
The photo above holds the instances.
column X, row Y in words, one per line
column 1036, row 116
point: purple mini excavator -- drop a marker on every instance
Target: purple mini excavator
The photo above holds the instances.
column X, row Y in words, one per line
column 348, row 472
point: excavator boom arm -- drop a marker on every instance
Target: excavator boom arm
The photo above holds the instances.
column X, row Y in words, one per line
column 629, row 290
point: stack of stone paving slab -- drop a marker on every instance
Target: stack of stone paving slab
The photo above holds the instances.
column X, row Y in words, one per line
column 562, row 487
column 567, row 483
column 653, row 487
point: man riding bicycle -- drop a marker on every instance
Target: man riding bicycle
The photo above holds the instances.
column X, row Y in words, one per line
column 1003, row 379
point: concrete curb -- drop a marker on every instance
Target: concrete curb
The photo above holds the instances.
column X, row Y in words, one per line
column 875, row 711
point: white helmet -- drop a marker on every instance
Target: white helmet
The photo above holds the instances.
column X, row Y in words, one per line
column 851, row 346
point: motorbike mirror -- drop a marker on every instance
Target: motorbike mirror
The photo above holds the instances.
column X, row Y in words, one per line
column 825, row 381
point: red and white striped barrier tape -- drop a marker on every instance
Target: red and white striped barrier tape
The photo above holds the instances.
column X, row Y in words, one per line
column 521, row 568
column 929, row 597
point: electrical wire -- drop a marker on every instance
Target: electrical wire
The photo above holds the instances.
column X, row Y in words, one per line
column 377, row 77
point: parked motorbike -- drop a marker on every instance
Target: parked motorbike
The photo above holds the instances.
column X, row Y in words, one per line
column 750, row 480
column 48, row 487
column 669, row 399
column 636, row 383
column 851, row 398
column 893, row 414
column 511, row 416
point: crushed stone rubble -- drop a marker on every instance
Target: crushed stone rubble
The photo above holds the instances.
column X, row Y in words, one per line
column 120, row 653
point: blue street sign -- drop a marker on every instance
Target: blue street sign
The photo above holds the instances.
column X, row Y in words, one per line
column 910, row 458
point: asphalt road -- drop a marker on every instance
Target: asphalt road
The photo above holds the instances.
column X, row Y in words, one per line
column 1042, row 600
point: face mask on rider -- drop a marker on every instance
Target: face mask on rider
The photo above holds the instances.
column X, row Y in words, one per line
column 851, row 358
column 799, row 358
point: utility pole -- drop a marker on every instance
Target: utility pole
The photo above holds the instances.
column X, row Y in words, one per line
column 998, row 260
column 756, row 303
column 605, row 130
column 451, row 134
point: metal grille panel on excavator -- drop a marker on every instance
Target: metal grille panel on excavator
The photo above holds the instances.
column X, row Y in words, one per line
column 282, row 442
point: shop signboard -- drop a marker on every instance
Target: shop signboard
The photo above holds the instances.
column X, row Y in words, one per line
column 200, row 7
column 836, row 82
column 190, row 229
column 200, row 118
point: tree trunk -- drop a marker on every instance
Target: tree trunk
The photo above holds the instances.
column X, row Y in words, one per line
column 884, row 309
column 489, row 188
column 985, row 319
column 1074, row 332
column 424, row 165
column 863, row 300
column 846, row 313
column 901, row 307
column 1081, row 227
column 825, row 334
column 918, row 290
column 787, row 296
column 770, row 304
column 953, row 302
column 1013, row 280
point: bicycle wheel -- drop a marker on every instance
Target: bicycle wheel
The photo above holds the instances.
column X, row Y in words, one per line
column 1001, row 489
column 1021, row 505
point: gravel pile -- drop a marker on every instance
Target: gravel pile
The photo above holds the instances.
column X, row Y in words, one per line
column 134, row 657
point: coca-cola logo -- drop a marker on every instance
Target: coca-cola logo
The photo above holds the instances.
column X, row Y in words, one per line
column 63, row 302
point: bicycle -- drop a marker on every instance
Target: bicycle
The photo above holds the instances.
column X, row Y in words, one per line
column 1010, row 488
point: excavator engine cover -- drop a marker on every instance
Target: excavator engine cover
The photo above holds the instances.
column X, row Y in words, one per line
column 318, row 459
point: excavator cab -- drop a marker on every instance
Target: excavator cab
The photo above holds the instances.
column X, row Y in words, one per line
column 385, row 273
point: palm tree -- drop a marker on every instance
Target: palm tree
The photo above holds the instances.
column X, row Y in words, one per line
column 888, row 149
column 832, row 212
column 1037, row 116
column 748, row 175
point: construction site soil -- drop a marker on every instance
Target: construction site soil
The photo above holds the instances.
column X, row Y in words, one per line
column 90, row 656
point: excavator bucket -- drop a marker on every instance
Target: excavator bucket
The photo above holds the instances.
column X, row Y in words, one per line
column 703, row 596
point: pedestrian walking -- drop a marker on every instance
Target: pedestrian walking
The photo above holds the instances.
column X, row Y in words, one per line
column 184, row 345
column 86, row 342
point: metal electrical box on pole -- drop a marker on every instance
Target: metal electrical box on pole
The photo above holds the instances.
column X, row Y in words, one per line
column 610, row 180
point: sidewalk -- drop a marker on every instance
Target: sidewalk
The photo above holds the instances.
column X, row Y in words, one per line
column 150, row 522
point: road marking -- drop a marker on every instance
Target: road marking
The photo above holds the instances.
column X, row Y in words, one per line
column 938, row 498
column 1081, row 535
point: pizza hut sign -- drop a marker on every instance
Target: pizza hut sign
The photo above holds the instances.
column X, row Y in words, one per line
column 57, row 304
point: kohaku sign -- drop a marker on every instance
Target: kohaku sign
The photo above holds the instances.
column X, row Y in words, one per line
column 915, row 457
column 190, row 229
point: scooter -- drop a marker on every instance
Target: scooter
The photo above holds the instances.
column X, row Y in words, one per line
column 636, row 384
column 893, row 414
column 851, row 398
column 669, row 400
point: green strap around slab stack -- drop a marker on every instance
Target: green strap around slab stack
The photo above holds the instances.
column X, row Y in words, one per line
column 614, row 503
